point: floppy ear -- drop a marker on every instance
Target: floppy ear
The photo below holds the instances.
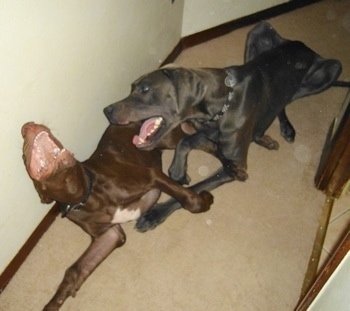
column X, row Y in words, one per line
column 167, row 73
column 261, row 38
column 40, row 188
column 319, row 77
column 189, row 87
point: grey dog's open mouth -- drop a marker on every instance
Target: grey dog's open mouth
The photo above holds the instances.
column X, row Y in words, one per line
column 148, row 132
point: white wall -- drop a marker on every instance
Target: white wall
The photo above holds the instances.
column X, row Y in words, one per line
column 200, row 15
column 61, row 63
column 334, row 295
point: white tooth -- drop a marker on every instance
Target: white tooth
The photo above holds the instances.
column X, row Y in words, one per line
column 141, row 140
column 57, row 151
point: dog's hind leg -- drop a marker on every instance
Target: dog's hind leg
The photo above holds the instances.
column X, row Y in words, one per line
column 160, row 212
column 286, row 128
column 267, row 142
column 98, row 250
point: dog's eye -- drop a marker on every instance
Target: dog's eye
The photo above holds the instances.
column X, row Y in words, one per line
column 144, row 89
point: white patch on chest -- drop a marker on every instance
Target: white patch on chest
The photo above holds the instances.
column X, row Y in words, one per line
column 124, row 215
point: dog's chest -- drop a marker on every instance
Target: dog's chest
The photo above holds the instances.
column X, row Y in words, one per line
column 124, row 215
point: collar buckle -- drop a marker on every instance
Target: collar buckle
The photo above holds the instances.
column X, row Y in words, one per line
column 65, row 208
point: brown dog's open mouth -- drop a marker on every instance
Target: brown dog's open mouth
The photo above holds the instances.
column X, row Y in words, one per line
column 43, row 154
column 149, row 132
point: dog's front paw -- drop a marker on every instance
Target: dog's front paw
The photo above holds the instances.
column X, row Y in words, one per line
column 51, row 306
column 179, row 175
column 155, row 216
column 185, row 180
column 149, row 221
column 208, row 200
column 199, row 203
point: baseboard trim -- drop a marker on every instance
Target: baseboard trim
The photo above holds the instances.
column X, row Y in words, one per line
column 184, row 43
column 28, row 246
column 223, row 29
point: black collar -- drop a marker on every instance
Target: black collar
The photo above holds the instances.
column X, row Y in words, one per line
column 65, row 208
column 230, row 82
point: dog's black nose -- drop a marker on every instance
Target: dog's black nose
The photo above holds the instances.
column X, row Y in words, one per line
column 108, row 111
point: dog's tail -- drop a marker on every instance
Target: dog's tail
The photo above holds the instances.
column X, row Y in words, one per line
column 341, row 83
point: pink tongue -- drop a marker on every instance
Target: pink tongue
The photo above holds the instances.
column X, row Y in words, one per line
column 136, row 140
column 146, row 128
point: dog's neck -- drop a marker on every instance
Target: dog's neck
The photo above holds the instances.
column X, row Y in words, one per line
column 230, row 82
column 66, row 207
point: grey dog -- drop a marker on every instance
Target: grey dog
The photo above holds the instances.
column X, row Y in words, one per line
column 227, row 107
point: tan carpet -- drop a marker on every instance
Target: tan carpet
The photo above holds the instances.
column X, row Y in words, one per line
column 250, row 251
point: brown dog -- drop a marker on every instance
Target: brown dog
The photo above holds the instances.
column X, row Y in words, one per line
column 115, row 185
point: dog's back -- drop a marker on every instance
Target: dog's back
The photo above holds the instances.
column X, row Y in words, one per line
column 285, row 71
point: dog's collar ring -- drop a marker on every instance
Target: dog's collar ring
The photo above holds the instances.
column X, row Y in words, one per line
column 66, row 208
column 230, row 80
